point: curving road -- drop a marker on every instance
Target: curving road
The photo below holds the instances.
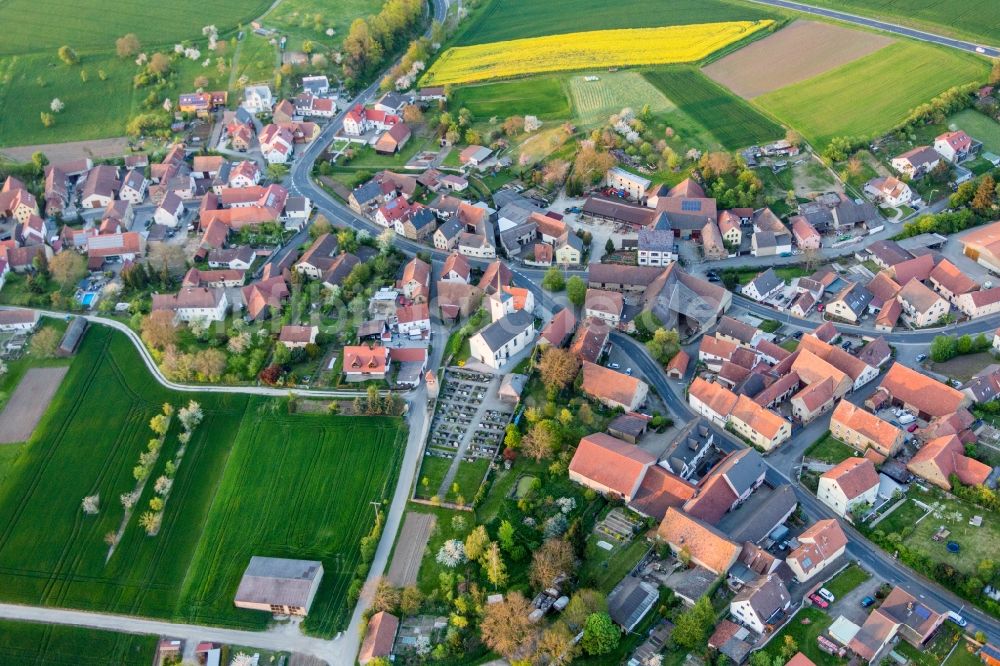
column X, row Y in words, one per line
column 886, row 26
column 873, row 557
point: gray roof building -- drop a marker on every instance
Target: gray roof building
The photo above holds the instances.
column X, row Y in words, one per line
column 503, row 330
column 367, row 192
column 629, row 602
column 688, row 448
column 856, row 298
column 756, row 519
column 279, row 582
column 656, row 240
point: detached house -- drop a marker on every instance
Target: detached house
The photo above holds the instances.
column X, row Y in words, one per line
column 821, row 544
column 850, row 304
column 134, row 187
column 100, row 187
column 276, row 144
column 916, row 162
column 890, row 191
column 899, row 614
column 362, row 363
column 851, row 483
column 766, row 285
column 761, row 603
column 954, row 146
column 921, row 306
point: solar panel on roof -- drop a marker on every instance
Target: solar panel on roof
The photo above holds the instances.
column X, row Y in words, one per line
column 922, row 612
column 690, row 205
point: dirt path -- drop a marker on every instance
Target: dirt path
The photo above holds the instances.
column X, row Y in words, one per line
column 30, row 400
column 410, row 547
column 73, row 150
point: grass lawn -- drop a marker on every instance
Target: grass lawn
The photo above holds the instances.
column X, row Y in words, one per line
column 29, row 643
column 433, row 469
column 933, row 653
column 829, row 449
column 805, row 636
column 847, row 580
column 733, row 122
column 980, row 126
column 974, row 19
column 542, row 96
column 826, row 106
column 444, row 530
column 469, row 477
column 770, row 325
column 253, row 481
column 962, row 656
column 904, row 516
column 965, row 366
column 791, row 344
column 603, row 569
column 513, row 19
column 257, row 59
column 977, row 543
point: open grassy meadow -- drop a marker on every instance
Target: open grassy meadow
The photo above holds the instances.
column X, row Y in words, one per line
column 892, row 82
column 93, row 25
column 514, row 19
column 311, row 19
column 733, row 122
column 30, row 644
column 586, row 50
column 290, row 480
column 595, row 101
column 972, row 19
column 542, row 96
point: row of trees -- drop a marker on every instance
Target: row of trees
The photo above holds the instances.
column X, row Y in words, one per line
column 370, row 41
column 945, row 347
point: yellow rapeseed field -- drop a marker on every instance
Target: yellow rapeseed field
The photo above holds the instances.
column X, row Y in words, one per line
column 586, row 50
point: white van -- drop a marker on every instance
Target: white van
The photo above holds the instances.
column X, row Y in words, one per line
column 952, row 616
column 826, row 594
column 906, row 419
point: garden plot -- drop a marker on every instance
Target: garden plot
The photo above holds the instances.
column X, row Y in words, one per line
column 413, row 539
column 802, row 50
column 25, row 408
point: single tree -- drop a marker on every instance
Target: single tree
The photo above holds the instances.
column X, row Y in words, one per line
column 159, row 64
column 67, row 268
column 555, row 558
column 127, row 45
column 505, row 626
column 664, row 345
column 493, row 564
column 609, row 247
column 600, row 635
column 157, row 329
column 44, row 343
column 553, row 280
column 576, row 290
column 582, row 604
column 386, row 597
column 476, row 543
column 692, row 626
column 48, row 120
column 505, row 535
column 558, row 367
column 68, row 55
column 555, row 646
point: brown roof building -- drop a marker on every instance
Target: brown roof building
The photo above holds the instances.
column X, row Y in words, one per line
column 862, row 430
column 379, row 637
column 610, row 466
column 590, row 339
column 917, row 392
column 612, row 388
column 707, row 546
column 939, row 458
column 819, row 545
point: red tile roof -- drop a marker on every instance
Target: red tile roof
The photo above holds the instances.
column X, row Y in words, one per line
column 855, row 476
column 611, row 462
column 707, row 546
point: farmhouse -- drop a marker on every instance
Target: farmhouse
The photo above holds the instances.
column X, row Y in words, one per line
column 633, row 185
column 21, row 321
column 708, row 547
column 194, row 304
column 612, row 388
column 278, row 585
column 921, row 306
column 766, row 285
column 610, row 466
column 918, row 393
column 758, row 424
column 939, row 458
column 863, row 430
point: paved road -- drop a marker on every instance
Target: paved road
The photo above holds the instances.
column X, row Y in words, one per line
column 870, row 555
column 195, row 388
column 894, row 28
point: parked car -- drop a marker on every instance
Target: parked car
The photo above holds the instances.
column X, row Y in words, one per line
column 921, row 358
column 797, row 335
column 826, row 594
column 614, row 366
column 867, row 601
column 906, row 419
column 820, row 307
column 912, row 428
column 628, row 371
column 818, row 601
column 956, row 618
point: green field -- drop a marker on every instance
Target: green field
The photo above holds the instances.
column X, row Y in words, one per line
column 26, row 644
column 972, row 19
column 252, row 481
column 595, row 101
column 91, row 25
column 980, row 127
column 892, row 82
column 542, row 96
column 310, row 19
column 513, row 19
column 733, row 122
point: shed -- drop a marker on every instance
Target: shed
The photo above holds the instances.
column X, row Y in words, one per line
column 843, row 630
column 71, row 339
column 629, row 602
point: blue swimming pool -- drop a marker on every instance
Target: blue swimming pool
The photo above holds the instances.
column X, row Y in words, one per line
column 87, row 298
